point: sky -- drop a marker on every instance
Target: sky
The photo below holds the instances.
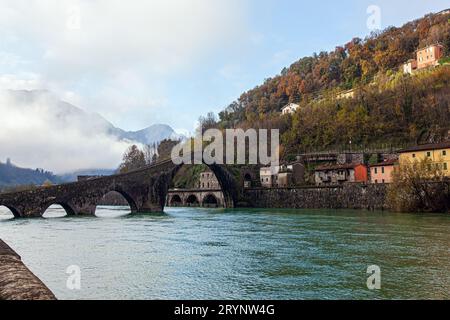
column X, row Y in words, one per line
column 142, row 62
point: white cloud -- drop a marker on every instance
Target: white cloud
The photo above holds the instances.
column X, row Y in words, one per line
column 113, row 57
column 90, row 47
column 36, row 132
column 21, row 81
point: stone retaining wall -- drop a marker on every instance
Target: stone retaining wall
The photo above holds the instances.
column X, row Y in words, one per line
column 17, row 282
column 351, row 196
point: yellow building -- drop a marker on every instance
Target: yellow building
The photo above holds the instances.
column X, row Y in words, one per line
column 438, row 153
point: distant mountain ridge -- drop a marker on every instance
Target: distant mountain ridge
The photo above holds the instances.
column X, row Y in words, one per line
column 66, row 112
column 62, row 114
column 10, row 176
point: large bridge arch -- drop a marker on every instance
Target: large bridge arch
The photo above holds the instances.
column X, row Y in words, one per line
column 132, row 202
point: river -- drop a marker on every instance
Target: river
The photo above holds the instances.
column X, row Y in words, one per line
column 236, row 254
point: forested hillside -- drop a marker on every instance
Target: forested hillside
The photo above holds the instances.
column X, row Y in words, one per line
column 12, row 176
column 388, row 107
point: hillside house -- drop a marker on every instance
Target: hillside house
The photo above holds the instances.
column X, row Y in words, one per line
column 267, row 176
column 290, row 108
column 438, row 153
column 340, row 173
column 425, row 57
column 382, row 172
column 348, row 94
column 208, row 180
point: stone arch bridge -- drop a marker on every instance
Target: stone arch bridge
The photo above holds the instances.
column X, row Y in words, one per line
column 145, row 190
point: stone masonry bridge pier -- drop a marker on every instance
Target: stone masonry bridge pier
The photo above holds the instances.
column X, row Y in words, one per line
column 145, row 190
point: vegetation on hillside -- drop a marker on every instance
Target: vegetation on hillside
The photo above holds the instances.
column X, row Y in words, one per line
column 419, row 186
column 12, row 176
column 388, row 107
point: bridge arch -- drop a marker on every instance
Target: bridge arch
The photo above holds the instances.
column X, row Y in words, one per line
column 125, row 195
column 192, row 201
column 5, row 209
column 175, row 201
column 210, row 200
column 50, row 210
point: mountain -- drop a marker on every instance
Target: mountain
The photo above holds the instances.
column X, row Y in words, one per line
column 40, row 130
column 10, row 176
column 66, row 113
column 150, row 135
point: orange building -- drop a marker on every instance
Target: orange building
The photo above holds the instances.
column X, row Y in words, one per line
column 382, row 172
column 429, row 56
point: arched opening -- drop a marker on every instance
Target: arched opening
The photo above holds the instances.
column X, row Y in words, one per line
column 57, row 211
column 115, row 204
column 189, row 180
column 192, row 201
column 210, row 201
column 7, row 213
column 175, row 201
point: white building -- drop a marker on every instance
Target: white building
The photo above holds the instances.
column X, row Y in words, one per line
column 290, row 108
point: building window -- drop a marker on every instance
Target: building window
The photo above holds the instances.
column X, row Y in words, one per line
column 428, row 154
column 429, row 167
column 444, row 153
column 382, row 171
column 445, row 166
column 414, row 155
column 376, row 181
column 384, row 181
column 376, row 171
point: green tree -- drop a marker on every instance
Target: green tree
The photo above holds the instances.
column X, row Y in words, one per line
column 133, row 159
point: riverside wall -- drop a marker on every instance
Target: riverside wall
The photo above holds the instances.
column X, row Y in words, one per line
column 348, row 196
column 17, row 282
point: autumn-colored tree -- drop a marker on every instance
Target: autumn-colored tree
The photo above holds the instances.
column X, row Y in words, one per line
column 133, row 159
column 47, row 183
column 419, row 186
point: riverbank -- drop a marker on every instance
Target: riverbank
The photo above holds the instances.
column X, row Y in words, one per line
column 17, row 282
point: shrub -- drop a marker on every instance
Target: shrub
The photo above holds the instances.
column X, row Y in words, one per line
column 419, row 186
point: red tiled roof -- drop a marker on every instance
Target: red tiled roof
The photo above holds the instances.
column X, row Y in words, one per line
column 338, row 166
column 424, row 147
column 385, row 163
